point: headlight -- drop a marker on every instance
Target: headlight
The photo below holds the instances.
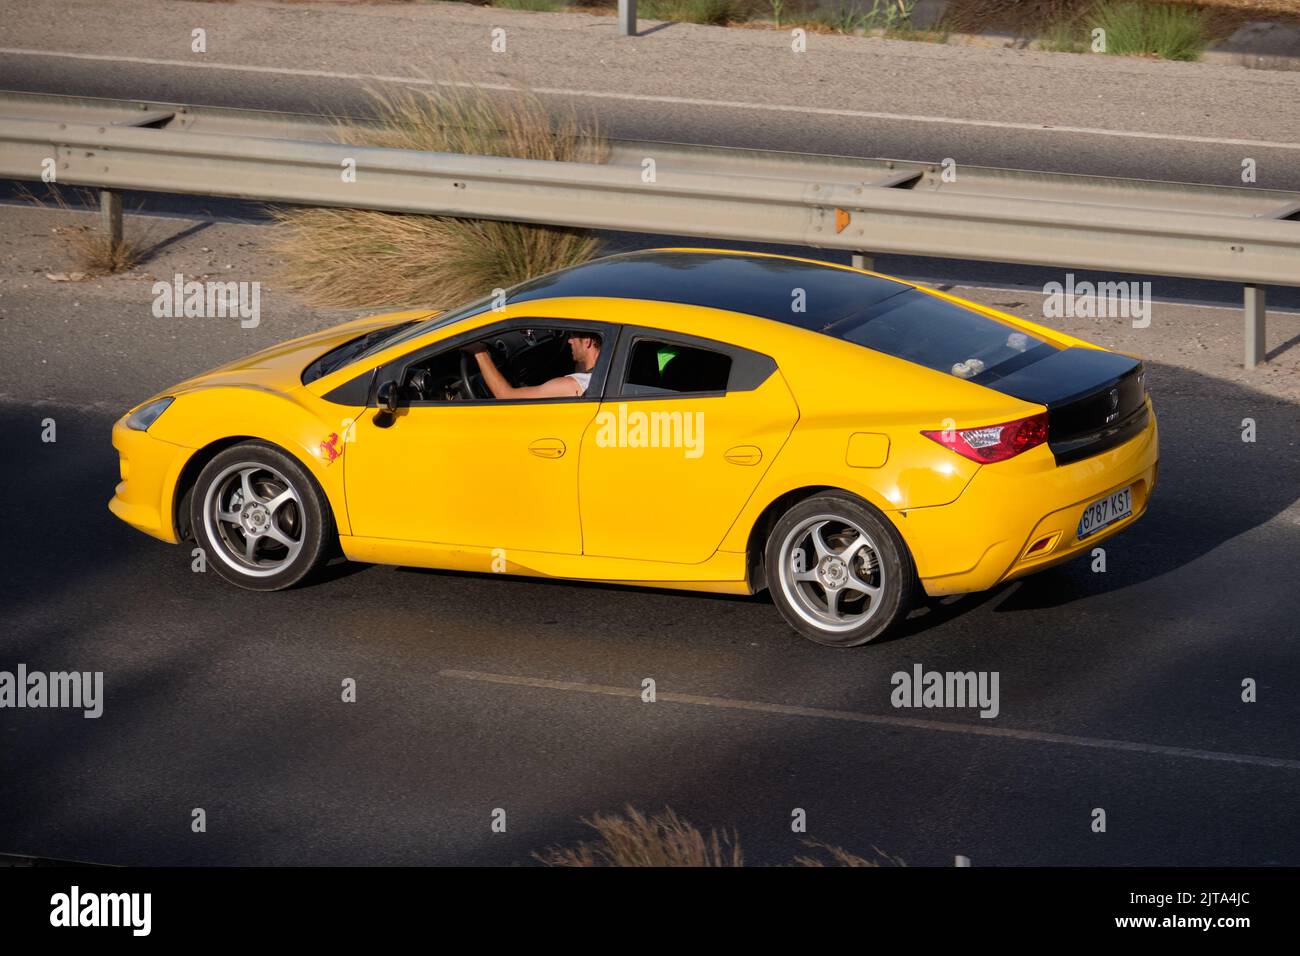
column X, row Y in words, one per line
column 147, row 414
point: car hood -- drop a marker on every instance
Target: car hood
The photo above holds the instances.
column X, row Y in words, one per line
column 280, row 366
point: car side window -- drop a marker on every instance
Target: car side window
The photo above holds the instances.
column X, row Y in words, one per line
column 524, row 352
column 666, row 368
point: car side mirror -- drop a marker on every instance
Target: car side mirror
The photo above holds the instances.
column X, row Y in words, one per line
column 387, row 397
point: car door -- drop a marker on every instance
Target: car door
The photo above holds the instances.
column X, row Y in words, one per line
column 687, row 429
column 481, row 473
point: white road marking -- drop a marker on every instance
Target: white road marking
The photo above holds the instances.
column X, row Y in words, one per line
column 671, row 100
column 852, row 716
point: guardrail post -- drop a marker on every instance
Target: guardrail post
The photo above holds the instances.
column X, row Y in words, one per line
column 110, row 214
column 1255, row 343
column 627, row 18
column 863, row 261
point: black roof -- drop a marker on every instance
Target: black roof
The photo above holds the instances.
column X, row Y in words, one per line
column 756, row 285
column 884, row 315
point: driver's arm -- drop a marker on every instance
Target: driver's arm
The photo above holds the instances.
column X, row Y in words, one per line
column 562, row 387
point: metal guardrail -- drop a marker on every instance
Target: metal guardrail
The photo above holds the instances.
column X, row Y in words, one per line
column 1238, row 234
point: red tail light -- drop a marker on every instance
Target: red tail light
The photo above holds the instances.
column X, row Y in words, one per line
column 990, row 443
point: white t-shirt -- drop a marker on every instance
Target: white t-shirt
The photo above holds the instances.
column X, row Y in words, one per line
column 583, row 379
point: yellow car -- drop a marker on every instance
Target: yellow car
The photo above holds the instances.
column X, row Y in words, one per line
column 698, row 419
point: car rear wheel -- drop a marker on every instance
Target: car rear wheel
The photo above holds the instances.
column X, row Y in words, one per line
column 838, row 571
column 260, row 517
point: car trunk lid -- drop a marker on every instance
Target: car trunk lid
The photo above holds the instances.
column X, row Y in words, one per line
column 1095, row 399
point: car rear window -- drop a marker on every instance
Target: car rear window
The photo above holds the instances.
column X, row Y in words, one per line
column 940, row 335
column 656, row 368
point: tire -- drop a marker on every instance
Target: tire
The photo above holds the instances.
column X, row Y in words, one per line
column 855, row 545
column 290, row 526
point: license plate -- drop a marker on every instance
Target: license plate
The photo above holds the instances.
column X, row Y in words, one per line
column 1106, row 511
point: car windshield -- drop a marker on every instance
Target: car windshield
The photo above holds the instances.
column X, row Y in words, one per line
column 940, row 335
column 350, row 350
column 363, row 346
column 419, row 328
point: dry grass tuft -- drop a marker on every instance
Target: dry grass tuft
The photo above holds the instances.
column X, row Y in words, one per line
column 665, row 839
column 838, row 856
column 96, row 254
column 89, row 246
column 635, row 840
column 359, row 258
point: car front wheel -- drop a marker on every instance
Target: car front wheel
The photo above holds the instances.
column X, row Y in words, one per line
column 260, row 517
column 838, row 571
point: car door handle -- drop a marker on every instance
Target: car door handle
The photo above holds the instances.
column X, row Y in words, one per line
column 744, row 455
column 547, row 448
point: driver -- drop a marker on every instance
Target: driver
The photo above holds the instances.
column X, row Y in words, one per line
column 585, row 349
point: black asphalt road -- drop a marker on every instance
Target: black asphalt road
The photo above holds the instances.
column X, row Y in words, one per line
column 230, row 701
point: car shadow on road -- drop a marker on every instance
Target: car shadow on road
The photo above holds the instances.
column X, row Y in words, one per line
column 1213, row 486
column 567, row 583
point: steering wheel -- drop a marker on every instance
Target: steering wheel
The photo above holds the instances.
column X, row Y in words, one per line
column 467, row 379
